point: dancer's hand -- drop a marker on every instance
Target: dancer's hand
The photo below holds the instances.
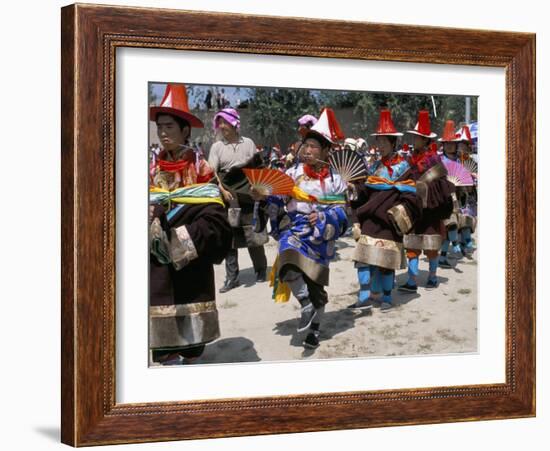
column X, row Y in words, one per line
column 313, row 216
column 228, row 197
column 256, row 195
column 356, row 231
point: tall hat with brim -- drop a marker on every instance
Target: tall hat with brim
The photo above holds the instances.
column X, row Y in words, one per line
column 327, row 127
column 464, row 134
column 175, row 103
column 422, row 127
column 385, row 125
column 449, row 134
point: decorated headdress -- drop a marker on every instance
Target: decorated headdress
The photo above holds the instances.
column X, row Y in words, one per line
column 464, row 134
column 385, row 125
column 175, row 103
column 327, row 127
column 422, row 127
column 449, row 134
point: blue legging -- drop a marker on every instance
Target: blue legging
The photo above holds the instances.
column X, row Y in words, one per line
column 413, row 270
column 387, row 278
column 466, row 233
column 370, row 280
column 364, row 275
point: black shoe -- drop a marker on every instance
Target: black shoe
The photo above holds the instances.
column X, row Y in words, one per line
column 229, row 285
column 431, row 284
column 467, row 252
column 260, row 276
column 312, row 340
column 408, row 288
column 444, row 263
column 367, row 305
column 308, row 315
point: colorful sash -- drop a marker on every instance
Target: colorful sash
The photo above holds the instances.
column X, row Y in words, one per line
column 328, row 199
column 382, row 184
column 200, row 193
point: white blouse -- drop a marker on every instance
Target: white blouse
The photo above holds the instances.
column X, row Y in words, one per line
column 333, row 185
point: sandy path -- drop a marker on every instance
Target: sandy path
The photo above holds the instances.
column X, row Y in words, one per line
column 255, row 328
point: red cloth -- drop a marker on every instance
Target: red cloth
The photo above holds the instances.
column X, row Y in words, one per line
column 422, row 159
column 173, row 166
column 321, row 175
column 389, row 162
column 187, row 170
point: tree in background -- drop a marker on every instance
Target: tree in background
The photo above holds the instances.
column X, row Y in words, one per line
column 273, row 113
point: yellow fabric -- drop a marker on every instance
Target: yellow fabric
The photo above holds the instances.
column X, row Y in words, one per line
column 300, row 195
column 197, row 200
column 281, row 290
column 189, row 200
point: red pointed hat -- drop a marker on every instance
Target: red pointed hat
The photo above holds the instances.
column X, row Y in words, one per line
column 464, row 134
column 327, row 126
column 449, row 134
column 385, row 125
column 422, row 127
column 175, row 103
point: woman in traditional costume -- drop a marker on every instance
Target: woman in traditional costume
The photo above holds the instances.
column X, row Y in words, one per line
column 384, row 208
column 307, row 225
column 467, row 198
column 435, row 191
column 449, row 142
column 189, row 232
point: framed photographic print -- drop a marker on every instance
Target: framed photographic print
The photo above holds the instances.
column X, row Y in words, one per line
column 379, row 181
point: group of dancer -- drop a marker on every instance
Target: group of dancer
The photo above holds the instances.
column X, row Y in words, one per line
column 202, row 212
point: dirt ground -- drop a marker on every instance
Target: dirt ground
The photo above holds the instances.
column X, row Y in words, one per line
column 255, row 328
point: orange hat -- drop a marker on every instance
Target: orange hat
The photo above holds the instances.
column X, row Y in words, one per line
column 385, row 125
column 422, row 127
column 449, row 134
column 327, row 126
column 175, row 103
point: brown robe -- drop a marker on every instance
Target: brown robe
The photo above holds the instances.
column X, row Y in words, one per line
column 182, row 308
column 435, row 192
column 385, row 216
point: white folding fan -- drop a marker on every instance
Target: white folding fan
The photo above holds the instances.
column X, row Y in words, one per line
column 348, row 164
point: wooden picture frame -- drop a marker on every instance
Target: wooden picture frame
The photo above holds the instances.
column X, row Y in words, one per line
column 90, row 37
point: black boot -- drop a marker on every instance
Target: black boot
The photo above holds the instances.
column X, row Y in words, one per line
column 229, row 285
column 312, row 339
column 308, row 314
column 261, row 275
